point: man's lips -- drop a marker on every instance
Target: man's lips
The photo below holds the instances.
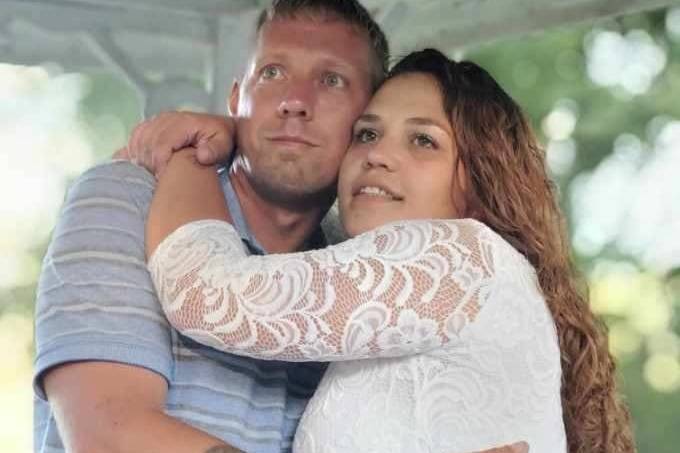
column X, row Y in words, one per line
column 292, row 140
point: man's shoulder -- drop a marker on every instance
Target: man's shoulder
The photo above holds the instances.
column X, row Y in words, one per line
column 117, row 171
column 95, row 300
column 116, row 182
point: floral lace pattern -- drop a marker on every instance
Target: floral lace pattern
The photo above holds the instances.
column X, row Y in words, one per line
column 466, row 350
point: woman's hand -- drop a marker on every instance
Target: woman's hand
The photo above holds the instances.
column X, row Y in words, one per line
column 519, row 447
column 153, row 141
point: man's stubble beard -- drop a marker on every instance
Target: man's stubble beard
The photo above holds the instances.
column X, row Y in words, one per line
column 290, row 187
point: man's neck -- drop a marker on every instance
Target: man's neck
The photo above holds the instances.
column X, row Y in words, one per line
column 278, row 229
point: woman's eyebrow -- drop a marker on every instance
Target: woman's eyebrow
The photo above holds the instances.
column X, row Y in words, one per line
column 420, row 121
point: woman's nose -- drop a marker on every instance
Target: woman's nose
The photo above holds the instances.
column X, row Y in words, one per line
column 380, row 156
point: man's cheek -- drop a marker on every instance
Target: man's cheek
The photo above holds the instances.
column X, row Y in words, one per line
column 346, row 140
column 245, row 107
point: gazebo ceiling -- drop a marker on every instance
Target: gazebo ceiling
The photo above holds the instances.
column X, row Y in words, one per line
column 176, row 52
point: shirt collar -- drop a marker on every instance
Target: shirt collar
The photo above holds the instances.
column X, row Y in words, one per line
column 315, row 241
column 236, row 213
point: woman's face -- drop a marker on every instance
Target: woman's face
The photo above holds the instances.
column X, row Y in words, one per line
column 400, row 164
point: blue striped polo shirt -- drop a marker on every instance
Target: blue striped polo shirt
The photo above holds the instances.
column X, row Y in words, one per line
column 95, row 301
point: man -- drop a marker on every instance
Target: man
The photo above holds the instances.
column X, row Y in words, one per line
column 111, row 375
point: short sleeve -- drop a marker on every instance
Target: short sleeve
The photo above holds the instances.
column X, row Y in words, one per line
column 95, row 300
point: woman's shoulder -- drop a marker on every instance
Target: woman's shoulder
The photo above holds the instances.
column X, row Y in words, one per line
column 465, row 231
column 505, row 254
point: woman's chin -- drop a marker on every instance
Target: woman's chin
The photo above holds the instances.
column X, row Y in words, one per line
column 356, row 226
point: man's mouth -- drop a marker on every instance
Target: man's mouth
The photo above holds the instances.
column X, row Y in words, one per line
column 292, row 140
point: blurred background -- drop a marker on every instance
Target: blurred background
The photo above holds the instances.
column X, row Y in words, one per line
column 599, row 79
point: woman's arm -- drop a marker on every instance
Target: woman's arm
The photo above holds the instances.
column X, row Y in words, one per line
column 187, row 191
column 401, row 289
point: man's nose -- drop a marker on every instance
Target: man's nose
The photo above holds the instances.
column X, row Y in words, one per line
column 297, row 102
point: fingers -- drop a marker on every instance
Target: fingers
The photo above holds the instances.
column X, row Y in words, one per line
column 142, row 148
column 519, row 447
column 160, row 168
column 137, row 147
column 153, row 141
column 121, row 154
column 206, row 156
column 218, row 146
column 217, row 150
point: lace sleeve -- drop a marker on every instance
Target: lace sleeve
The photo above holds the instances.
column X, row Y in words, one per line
column 401, row 289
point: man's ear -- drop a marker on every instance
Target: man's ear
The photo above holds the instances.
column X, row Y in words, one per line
column 232, row 105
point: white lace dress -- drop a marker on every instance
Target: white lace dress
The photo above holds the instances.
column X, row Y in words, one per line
column 440, row 338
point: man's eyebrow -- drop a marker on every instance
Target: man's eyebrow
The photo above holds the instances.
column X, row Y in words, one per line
column 271, row 55
column 369, row 118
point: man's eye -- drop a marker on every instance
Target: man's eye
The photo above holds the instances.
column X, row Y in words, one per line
column 334, row 80
column 424, row 141
column 270, row 72
column 365, row 136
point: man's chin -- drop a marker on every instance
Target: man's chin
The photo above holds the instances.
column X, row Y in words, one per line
column 295, row 192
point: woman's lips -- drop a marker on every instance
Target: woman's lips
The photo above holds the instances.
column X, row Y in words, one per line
column 377, row 191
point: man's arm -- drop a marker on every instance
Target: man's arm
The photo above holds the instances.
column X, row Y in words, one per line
column 104, row 348
column 105, row 407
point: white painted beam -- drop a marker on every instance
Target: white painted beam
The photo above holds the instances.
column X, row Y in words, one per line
column 462, row 23
column 181, row 42
column 231, row 52
column 73, row 15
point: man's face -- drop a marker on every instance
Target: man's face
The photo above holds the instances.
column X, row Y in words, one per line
column 307, row 82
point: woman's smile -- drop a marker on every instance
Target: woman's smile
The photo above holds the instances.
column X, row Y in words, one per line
column 401, row 163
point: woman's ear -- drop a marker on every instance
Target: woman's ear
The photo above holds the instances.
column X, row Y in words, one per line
column 461, row 175
column 459, row 189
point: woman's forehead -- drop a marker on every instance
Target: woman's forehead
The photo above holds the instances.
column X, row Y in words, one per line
column 413, row 94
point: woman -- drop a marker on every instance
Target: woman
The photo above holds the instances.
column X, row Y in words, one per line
column 457, row 284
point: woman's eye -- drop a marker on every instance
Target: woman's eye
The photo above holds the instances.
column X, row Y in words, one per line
column 424, row 141
column 271, row 72
column 334, row 81
column 365, row 136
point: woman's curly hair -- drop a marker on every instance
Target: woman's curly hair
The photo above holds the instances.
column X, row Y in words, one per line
column 508, row 188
